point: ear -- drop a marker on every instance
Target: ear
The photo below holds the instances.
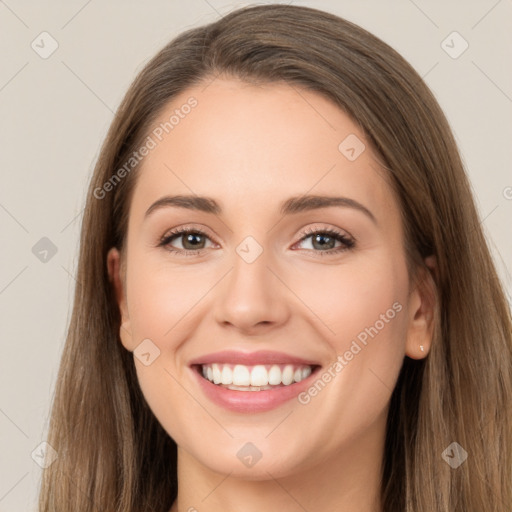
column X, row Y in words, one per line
column 421, row 309
column 117, row 275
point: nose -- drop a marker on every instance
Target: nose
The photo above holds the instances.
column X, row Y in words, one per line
column 252, row 298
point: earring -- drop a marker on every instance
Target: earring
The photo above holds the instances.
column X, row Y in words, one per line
column 421, row 348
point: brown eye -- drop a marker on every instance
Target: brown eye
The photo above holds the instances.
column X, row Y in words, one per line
column 191, row 241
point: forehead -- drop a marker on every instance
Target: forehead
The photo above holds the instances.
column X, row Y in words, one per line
column 245, row 143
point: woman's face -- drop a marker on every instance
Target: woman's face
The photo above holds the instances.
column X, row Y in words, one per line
column 270, row 286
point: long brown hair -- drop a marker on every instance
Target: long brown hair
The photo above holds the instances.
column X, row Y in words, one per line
column 112, row 452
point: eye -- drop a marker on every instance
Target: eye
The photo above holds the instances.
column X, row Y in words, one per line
column 325, row 240
column 192, row 241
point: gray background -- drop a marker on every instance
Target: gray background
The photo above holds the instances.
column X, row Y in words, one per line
column 55, row 111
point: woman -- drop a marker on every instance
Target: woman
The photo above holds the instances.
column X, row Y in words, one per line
column 286, row 300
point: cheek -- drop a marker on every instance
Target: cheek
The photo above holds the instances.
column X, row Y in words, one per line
column 160, row 296
column 363, row 301
column 364, row 307
column 159, row 299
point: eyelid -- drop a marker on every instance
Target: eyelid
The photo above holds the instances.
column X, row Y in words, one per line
column 199, row 228
column 319, row 227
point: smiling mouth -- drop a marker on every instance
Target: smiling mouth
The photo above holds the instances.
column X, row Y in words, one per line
column 259, row 377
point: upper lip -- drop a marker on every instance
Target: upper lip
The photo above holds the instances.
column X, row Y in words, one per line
column 251, row 358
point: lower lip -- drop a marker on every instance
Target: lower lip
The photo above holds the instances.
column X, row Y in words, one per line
column 251, row 401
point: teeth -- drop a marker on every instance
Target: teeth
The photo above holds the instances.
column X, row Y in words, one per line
column 274, row 375
column 287, row 378
column 259, row 376
column 216, row 374
column 227, row 375
column 254, row 378
column 306, row 372
column 241, row 376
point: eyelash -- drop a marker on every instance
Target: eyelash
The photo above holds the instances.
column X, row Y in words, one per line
column 348, row 243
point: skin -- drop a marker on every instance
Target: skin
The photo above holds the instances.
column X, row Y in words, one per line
column 251, row 147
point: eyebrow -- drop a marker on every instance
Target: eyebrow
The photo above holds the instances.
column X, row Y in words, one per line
column 292, row 205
